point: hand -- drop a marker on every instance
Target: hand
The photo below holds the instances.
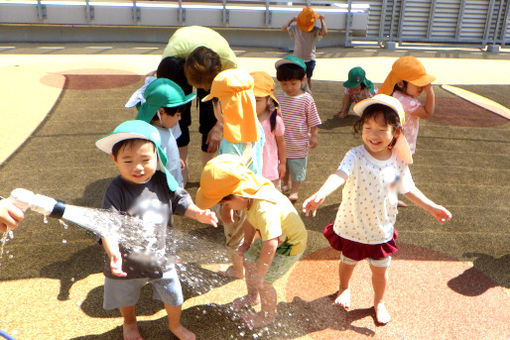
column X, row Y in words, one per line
column 214, row 138
column 293, row 19
column 441, row 214
column 116, row 264
column 341, row 114
column 428, row 89
column 313, row 142
column 312, row 203
column 207, row 216
column 183, row 164
column 282, row 169
column 10, row 215
column 321, row 17
column 243, row 249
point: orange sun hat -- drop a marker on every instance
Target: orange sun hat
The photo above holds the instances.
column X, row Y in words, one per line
column 264, row 85
column 406, row 68
column 234, row 89
column 306, row 19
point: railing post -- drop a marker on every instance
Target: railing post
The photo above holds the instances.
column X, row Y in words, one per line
column 135, row 12
column 268, row 16
column 348, row 22
column 89, row 11
column 460, row 19
column 41, row 10
column 432, row 11
column 225, row 14
column 382, row 21
column 488, row 23
column 181, row 13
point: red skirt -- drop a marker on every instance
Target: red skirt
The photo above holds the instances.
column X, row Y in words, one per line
column 359, row 251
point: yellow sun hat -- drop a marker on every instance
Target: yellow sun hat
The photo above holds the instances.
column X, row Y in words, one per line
column 224, row 175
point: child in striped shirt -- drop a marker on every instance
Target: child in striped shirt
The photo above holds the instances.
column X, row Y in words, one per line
column 300, row 118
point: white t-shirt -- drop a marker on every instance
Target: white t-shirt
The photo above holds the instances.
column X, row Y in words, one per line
column 369, row 198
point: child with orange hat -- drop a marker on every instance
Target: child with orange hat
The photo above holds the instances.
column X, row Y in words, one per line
column 406, row 81
column 274, row 151
column 372, row 174
column 243, row 136
column 283, row 235
column 305, row 35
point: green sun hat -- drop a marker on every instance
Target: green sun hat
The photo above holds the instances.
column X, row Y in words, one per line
column 138, row 129
column 162, row 92
column 356, row 77
column 290, row 59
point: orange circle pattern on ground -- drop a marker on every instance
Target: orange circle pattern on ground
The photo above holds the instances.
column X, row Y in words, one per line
column 93, row 79
column 430, row 296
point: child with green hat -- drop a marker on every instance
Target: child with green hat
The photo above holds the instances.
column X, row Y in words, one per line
column 163, row 103
column 146, row 190
column 357, row 88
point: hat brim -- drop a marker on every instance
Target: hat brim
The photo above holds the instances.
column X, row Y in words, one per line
column 360, row 107
column 351, row 84
column 287, row 61
column 208, row 97
column 203, row 202
column 107, row 142
column 423, row 80
column 147, row 111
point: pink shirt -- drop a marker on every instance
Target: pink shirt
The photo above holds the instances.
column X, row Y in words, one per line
column 363, row 94
column 412, row 122
column 270, row 159
column 299, row 115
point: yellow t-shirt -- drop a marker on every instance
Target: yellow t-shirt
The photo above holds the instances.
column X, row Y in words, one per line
column 278, row 219
column 186, row 39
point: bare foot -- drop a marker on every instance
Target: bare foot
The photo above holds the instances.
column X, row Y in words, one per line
column 130, row 331
column 341, row 114
column 244, row 302
column 293, row 197
column 183, row 333
column 257, row 320
column 285, row 189
column 381, row 314
column 343, row 299
column 401, row 204
column 232, row 272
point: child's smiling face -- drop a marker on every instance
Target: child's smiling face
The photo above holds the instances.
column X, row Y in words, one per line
column 377, row 135
column 137, row 162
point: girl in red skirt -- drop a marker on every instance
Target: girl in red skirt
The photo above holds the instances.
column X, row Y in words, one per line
column 373, row 173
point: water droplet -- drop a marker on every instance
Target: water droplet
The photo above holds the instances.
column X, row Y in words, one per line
column 64, row 241
column 241, row 334
column 45, row 219
column 204, row 312
column 72, row 279
column 11, row 256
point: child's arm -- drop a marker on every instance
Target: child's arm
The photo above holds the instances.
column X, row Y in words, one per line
column 334, row 181
column 203, row 216
column 249, row 235
column 343, row 111
column 282, row 155
column 428, row 109
column 314, row 134
column 439, row 212
column 111, row 248
column 286, row 25
column 265, row 259
column 324, row 28
column 215, row 135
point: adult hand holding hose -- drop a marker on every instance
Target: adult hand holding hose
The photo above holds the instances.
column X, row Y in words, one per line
column 10, row 215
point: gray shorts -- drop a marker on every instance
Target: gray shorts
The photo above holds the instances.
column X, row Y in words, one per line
column 122, row 293
column 297, row 168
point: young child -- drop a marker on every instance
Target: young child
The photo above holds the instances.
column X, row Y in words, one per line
column 164, row 102
column 268, row 212
column 301, row 121
column 144, row 189
column 357, row 88
column 273, row 157
column 306, row 35
column 373, row 173
column 243, row 136
column 406, row 81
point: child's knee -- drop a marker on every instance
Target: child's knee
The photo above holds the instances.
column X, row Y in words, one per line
column 346, row 260
column 381, row 263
